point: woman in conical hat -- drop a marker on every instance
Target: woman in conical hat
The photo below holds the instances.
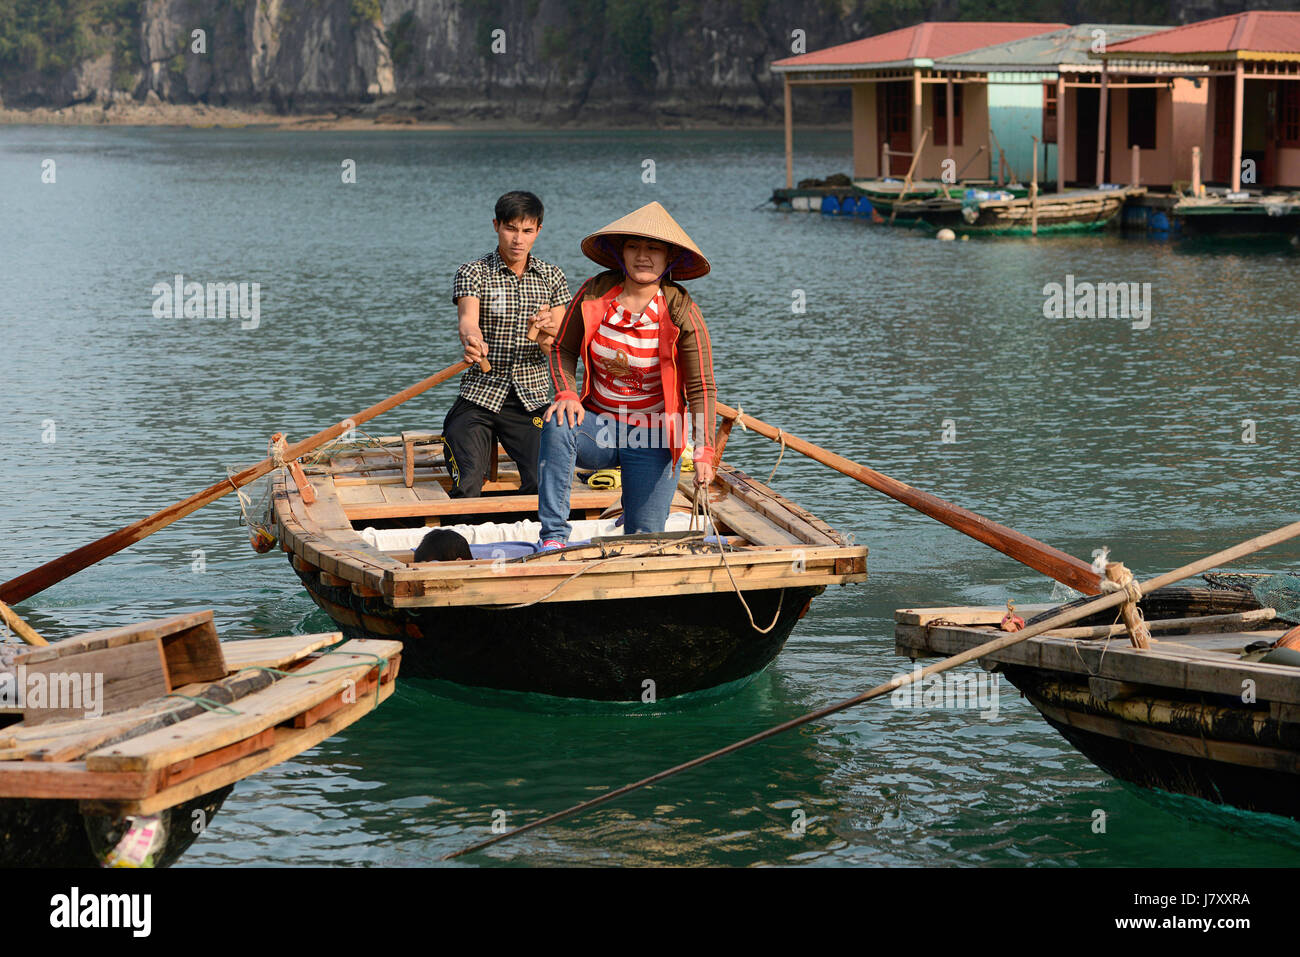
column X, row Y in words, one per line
column 646, row 360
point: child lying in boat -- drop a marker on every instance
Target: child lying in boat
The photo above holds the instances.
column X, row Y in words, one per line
column 443, row 545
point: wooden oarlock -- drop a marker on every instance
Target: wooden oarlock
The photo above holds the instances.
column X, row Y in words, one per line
column 1138, row 632
column 409, row 438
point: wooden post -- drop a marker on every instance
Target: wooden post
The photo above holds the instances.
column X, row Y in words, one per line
column 1238, row 98
column 1060, row 133
column 948, row 118
column 1138, row 634
column 1196, row 171
column 1101, row 123
column 1135, row 166
column 720, row 438
column 907, row 181
column 884, row 158
column 916, row 108
column 789, row 136
column 1033, row 192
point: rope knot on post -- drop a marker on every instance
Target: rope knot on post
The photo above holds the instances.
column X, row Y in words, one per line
column 1119, row 578
column 275, row 450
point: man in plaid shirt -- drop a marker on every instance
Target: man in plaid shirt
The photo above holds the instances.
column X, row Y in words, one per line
column 500, row 299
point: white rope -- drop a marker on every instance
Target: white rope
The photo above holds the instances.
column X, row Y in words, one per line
column 702, row 502
column 780, row 437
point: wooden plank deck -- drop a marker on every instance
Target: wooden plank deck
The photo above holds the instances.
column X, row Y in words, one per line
column 1178, row 664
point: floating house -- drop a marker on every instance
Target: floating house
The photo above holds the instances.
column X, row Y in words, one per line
column 1088, row 114
column 898, row 93
column 1250, row 129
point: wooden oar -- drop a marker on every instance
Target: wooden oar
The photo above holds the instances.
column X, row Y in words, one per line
column 53, row 572
column 1053, row 562
column 900, row 681
column 20, row 628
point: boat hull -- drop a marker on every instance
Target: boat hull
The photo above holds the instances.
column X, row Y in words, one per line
column 1249, row 222
column 604, row 650
column 1196, row 714
column 1159, row 754
column 42, row 832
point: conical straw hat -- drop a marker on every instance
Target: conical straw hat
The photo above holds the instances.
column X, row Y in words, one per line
column 653, row 222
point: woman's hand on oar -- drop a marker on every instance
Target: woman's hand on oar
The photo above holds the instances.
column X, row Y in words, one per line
column 53, row 572
column 1052, row 562
column 1116, row 597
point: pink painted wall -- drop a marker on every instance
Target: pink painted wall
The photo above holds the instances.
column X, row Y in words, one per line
column 1180, row 117
column 975, row 133
column 1288, row 167
column 866, row 149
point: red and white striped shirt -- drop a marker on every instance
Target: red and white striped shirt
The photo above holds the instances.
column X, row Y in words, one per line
column 625, row 361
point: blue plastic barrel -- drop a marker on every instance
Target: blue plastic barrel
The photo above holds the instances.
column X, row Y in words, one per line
column 830, row 206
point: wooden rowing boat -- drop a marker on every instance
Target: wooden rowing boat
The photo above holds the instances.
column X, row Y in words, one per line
column 1071, row 211
column 1189, row 715
column 180, row 717
column 624, row 618
column 1275, row 214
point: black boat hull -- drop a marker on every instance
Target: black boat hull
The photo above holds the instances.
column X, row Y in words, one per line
column 602, row 650
column 41, row 832
column 1160, row 754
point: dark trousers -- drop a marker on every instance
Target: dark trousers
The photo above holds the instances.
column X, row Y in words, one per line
column 472, row 432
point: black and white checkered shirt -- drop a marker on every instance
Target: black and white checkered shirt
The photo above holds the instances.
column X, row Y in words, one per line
column 506, row 302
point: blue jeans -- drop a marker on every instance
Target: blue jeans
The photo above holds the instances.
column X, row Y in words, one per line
column 602, row 442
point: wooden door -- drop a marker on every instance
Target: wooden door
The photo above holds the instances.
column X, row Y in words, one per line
column 894, row 122
column 1086, row 104
column 1223, row 96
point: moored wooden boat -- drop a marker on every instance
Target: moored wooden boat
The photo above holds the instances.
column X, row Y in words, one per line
column 1276, row 214
column 1071, row 211
column 138, row 770
column 624, row 618
column 1189, row 714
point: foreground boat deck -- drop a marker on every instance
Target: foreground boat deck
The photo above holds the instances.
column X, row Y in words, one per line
column 1188, row 714
column 170, row 749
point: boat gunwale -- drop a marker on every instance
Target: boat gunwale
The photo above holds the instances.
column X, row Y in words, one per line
column 1168, row 667
column 342, row 553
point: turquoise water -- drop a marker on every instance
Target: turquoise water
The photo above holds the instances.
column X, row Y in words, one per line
column 1079, row 432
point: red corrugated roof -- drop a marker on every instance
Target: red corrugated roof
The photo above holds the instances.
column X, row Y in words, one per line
column 923, row 41
column 1259, row 31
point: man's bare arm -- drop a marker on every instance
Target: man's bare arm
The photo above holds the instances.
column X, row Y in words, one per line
column 471, row 336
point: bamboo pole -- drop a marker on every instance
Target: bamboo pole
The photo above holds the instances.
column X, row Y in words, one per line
column 52, row 572
column 1204, row 624
column 903, row 680
column 1062, row 137
column 907, row 182
column 19, row 627
column 789, row 136
column 1053, row 562
column 1033, row 192
column 1101, row 123
column 1238, row 99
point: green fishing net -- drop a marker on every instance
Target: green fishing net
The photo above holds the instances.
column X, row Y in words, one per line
column 1279, row 592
